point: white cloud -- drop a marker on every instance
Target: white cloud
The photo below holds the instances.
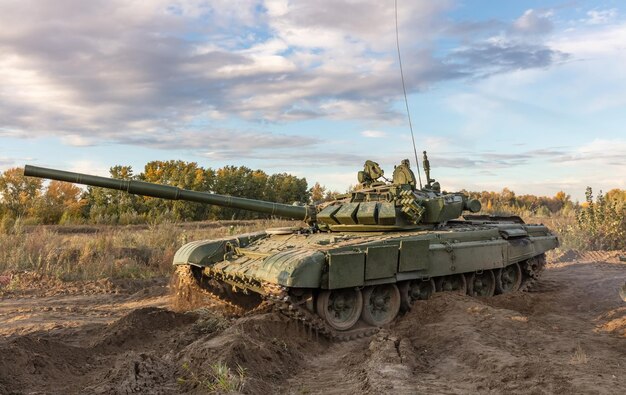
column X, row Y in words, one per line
column 89, row 167
column 607, row 40
column 119, row 68
column 374, row 134
column 77, row 140
column 600, row 149
column 599, row 17
column 534, row 22
column 6, row 163
column 597, row 74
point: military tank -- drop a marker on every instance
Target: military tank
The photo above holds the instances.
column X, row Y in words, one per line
column 355, row 262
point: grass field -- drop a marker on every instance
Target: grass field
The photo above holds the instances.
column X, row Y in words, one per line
column 90, row 252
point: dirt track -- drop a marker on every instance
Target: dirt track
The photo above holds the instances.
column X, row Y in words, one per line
column 568, row 335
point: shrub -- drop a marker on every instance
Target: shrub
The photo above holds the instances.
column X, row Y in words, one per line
column 601, row 224
column 219, row 380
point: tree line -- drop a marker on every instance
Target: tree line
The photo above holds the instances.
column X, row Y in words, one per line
column 56, row 202
column 507, row 202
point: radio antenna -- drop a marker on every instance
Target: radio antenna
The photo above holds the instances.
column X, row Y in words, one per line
column 406, row 101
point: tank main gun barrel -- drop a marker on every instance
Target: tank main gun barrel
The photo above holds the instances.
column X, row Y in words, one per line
column 305, row 213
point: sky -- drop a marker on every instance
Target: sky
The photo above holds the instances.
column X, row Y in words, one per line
column 529, row 95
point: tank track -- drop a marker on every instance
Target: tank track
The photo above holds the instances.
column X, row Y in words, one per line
column 295, row 310
column 278, row 298
column 275, row 298
column 531, row 271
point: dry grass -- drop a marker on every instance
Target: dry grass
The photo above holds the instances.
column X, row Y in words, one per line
column 92, row 252
column 219, row 380
column 579, row 357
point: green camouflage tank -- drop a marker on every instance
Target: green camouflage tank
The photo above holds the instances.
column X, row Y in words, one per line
column 354, row 263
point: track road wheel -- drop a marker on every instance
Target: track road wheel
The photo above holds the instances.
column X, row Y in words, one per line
column 341, row 308
column 508, row 279
column 452, row 283
column 413, row 290
column 483, row 284
column 381, row 304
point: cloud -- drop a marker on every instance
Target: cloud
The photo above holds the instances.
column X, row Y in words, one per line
column 225, row 144
column 110, row 68
column 76, row 140
column 121, row 70
column 290, row 159
column 5, row 163
column 533, row 22
column 600, row 17
column 600, row 152
column 590, row 42
column 374, row 134
column 90, row 167
column 500, row 47
column 596, row 73
column 488, row 58
column 598, row 163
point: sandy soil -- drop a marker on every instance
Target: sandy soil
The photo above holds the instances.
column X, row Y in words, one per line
column 567, row 335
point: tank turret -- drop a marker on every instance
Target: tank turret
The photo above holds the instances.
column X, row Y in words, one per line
column 375, row 205
column 398, row 204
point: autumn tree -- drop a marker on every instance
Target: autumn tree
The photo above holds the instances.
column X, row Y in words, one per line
column 19, row 194
column 285, row 188
column 616, row 195
column 241, row 182
column 317, row 193
column 61, row 200
column 181, row 174
column 111, row 206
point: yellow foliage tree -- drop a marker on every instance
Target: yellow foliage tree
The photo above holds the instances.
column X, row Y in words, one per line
column 19, row 193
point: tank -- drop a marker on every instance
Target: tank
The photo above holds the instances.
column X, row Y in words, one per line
column 352, row 265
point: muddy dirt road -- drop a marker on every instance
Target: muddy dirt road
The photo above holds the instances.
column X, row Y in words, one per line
column 567, row 335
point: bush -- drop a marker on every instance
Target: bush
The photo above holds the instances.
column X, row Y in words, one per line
column 601, row 225
column 7, row 224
